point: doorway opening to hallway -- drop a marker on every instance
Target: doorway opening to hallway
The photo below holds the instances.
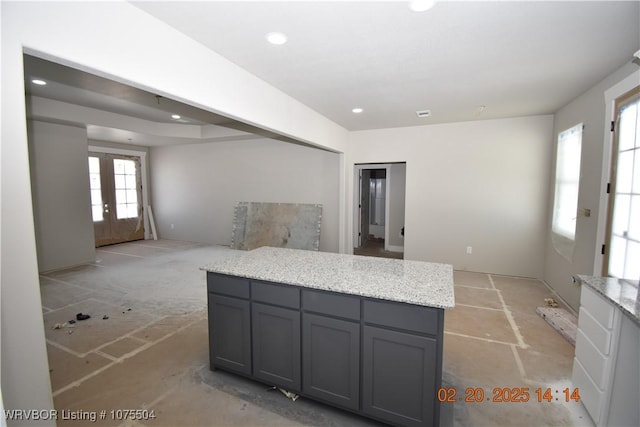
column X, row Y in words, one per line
column 379, row 203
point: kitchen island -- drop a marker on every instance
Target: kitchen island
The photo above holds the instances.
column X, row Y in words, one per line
column 360, row 333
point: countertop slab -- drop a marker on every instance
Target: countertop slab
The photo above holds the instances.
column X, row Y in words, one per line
column 414, row 282
column 623, row 293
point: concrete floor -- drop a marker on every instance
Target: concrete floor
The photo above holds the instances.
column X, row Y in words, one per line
column 145, row 347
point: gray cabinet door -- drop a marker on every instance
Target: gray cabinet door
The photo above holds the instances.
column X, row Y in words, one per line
column 331, row 360
column 399, row 376
column 276, row 345
column 230, row 333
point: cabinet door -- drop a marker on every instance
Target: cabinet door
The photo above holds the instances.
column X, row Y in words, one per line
column 229, row 333
column 331, row 360
column 276, row 345
column 399, row 377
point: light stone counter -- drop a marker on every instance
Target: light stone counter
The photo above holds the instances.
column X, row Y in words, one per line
column 623, row 293
column 414, row 282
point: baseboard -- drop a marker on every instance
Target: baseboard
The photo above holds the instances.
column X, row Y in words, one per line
column 395, row 248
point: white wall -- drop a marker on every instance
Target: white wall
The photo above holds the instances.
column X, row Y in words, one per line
column 590, row 109
column 81, row 34
column 195, row 187
column 482, row 184
column 61, row 200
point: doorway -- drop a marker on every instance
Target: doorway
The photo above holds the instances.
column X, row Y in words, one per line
column 116, row 198
column 379, row 209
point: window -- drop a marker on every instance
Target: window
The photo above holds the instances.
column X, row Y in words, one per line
column 565, row 204
column 623, row 225
column 96, row 189
column 124, row 175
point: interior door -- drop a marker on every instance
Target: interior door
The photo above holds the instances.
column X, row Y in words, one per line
column 116, row 198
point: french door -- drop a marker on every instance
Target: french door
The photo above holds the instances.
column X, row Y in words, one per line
column 623, row 226
column 116, row 198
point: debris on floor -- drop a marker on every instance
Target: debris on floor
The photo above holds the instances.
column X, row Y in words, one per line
column 71, row 322
column 81, row 316
column 105, row 317
column 287, row 393
column 561, row 320
column 551, row 302
column 64, row 325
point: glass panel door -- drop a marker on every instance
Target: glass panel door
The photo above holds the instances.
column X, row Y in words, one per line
column 623, row 227
column 116, row 198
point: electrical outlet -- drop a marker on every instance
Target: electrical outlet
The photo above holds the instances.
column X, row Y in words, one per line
column 172, row 226
column 469, row 250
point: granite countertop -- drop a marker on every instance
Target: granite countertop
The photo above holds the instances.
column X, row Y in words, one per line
column 623, row 293
column 413, row 282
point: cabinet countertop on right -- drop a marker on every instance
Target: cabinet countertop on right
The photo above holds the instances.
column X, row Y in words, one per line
column 624, row 294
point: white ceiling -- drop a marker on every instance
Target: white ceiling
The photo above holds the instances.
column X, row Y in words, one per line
column 116, row 112
column 514, row 58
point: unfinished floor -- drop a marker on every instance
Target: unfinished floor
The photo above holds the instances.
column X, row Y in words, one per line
column 145, row 347
column 375, row 247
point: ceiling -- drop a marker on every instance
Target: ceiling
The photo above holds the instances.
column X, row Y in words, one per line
column 461, row 60
column 115, row 112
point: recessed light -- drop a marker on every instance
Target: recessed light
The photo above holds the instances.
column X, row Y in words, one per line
column 357, row 110
column 421, row 5
column 175, row 116
column 276, row 38
column 38, row 82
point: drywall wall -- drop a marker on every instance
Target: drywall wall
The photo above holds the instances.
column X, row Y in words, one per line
column 81, row 34
column 396, row 200
column 24, row 353
column 61, row 200
column 589, row 109
column 196, row 187
column 482, row 184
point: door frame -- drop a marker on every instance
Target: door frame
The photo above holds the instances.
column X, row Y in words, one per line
column 632, row 96
column 610, row 96
column 357, row 169
column 143, row 176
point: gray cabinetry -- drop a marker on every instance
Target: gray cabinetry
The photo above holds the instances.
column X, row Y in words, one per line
column 276, row 345
column 402, row 362
column 331, row 348
column 275, row 312
column 229, row 324
column 399, row 371
column 229, row 334
column 377, row 358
